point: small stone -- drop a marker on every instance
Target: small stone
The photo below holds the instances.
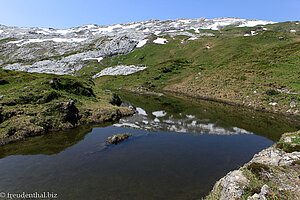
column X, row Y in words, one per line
column 265, row 189
column 293, row 104
column 115, row 139
column 273, row 103
column 288, row 139
column 254, row 197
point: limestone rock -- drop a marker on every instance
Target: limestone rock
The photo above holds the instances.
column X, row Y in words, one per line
column 231, row 185
column 275, row 157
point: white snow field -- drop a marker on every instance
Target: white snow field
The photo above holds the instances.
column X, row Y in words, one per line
column 119, row 70
column 160, row 41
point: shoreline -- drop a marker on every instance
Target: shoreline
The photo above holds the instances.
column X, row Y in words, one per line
column 206, row 98
column 271, row 173
column 114, row 115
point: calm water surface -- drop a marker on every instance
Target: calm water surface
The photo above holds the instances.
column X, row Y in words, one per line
column 178, row 150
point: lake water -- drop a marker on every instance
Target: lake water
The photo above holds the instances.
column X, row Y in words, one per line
column 178, row 150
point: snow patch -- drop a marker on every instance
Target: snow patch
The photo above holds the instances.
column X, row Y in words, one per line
column 193, row 38
column 145, row 122
column 15, row 42
column 160, row 41
column 141, row 43
column 251, row 23
column 141, row 111
column 64, row 31
column 98, row 59
column 157, row 32
column 190, row 116
column 119, row 70
column 69, row 40
column 159, row 113
column 273, row 103
column 196, row 30
column 156, row 120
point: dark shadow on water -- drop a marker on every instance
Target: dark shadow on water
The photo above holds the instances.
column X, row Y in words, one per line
column 49, row 144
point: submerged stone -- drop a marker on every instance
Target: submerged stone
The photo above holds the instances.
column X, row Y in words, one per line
column 115, row 139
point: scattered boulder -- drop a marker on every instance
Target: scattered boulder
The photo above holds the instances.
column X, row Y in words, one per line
column 115, row 139
column 231, row 185
column 71, row 112
column 262, row 195
column 116, row 100
column 293, row 104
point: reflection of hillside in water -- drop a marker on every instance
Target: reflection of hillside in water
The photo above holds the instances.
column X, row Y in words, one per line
column 180, row 114
column 182, row 123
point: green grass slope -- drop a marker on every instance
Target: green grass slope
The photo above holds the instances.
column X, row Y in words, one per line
column 261, row 71
column 33, row 104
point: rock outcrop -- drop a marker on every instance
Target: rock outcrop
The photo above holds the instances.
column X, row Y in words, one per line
column 270, row 174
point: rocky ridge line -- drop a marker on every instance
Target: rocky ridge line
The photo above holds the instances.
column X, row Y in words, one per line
column 48, row 50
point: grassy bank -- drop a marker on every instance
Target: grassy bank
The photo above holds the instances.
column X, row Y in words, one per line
column 34, row 104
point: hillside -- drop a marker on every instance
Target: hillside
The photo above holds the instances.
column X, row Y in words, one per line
column 241, row 62
column 259, row 71
column 33, row 104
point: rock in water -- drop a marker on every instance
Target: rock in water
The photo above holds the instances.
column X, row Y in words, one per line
column 115, row 139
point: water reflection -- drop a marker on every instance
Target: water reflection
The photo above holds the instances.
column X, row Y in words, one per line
column 183, row 123
column 181, row 115
column 155, row 163
column 49, row 144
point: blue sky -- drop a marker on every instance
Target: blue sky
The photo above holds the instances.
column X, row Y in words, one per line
column 70, row 13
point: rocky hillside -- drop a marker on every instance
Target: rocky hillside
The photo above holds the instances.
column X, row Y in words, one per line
column 255, row 67
column 48, row 50
column 249, row 63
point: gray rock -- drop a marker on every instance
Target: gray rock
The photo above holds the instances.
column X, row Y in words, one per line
column 47, row 50
column 265, row 190
column 275, row 157
column 115, row 139
column 231, row 185
column 293, row 104
column 234, row 182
